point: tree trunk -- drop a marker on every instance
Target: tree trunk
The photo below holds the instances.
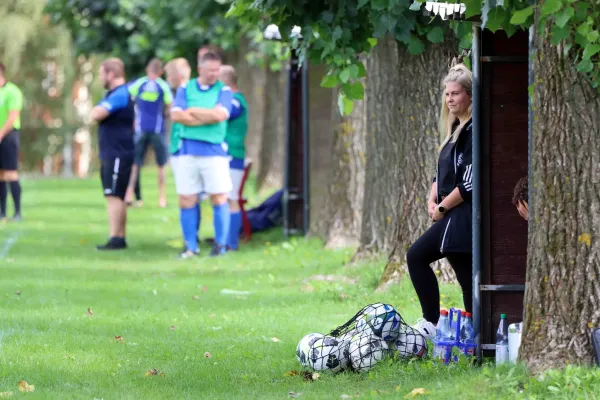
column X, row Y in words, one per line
column 252, row 83
column 384, row 146
column 402, row 109
column 563, row 263
column 346, row 182
column 271, row 156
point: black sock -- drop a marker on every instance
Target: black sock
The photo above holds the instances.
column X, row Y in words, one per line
column 138, row 191
column 3, row 196
column 15, row 190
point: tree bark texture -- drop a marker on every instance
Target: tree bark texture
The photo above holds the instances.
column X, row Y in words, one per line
column 403, row 102
column 252, row 84
column 271, row 155
column 563, row 265
column 346, row 182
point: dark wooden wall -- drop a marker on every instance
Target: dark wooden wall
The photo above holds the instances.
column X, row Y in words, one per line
column 504, row 130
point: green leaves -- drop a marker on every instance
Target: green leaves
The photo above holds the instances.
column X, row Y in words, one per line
column 562, row 18
column 436, row 35
column 521, row 16
column 590, row 50
column 345, row 105
column 415, row 45
column 495, row 18
column 550, row 7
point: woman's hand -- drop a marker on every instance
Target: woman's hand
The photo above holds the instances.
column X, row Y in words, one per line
column 437, row 215
column 431, row 207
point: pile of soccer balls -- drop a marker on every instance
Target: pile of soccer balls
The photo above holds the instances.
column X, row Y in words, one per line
column 375, row 332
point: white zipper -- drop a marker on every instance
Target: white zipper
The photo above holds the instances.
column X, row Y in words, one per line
column 444, row 237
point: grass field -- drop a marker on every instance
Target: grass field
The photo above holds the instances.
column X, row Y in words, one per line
column 149, row 310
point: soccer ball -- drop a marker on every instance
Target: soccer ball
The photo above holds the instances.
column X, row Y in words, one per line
column 410, row 345
column 383, row 319
column 303, row 348
column 327, row 353
column 366, row 351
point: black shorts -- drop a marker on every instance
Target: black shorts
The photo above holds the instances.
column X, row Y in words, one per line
column 115, row 174
column 9, row 151
column 158, row 145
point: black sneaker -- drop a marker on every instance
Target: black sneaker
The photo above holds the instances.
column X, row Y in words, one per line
column 217, row 250
column 113, row 244
column 189, row 254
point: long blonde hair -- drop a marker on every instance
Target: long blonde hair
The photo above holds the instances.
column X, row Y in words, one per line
column 460, row 74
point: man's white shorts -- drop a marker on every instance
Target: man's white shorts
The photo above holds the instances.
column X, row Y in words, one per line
column 236, row 180
column 197, row 174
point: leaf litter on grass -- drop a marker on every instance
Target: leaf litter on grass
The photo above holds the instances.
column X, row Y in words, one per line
column 25, row 387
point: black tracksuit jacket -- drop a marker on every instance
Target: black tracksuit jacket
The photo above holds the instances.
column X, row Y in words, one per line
column 454, row 170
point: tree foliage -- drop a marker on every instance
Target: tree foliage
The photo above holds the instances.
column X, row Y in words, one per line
column 137, row 30
column 336, row 32
column 39, row 60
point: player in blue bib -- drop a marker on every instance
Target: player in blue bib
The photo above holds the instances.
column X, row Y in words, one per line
column 203, row 107
column 153, row 99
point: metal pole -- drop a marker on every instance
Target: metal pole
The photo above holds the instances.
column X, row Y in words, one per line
column 475, row 62
column 288, row 132
column 305, row 144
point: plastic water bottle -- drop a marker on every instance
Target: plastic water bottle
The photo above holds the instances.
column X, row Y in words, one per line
column 467, row 336
column 443, row 342
column 502, row 341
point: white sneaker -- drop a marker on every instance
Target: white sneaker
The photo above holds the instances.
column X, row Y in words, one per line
column 426, row 328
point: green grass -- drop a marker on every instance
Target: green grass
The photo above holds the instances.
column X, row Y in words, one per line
column 48, row 339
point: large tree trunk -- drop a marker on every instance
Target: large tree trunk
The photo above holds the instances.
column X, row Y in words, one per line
column 417, row 140
column 271, row 156
column 384, row 145
column 403, row 100
column 346, row 181
column 563, row 266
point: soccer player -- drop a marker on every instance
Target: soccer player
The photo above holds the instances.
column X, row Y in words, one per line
column 115, row 116
column 178, row 74
column 203, row 107
column 153, row 99
column 11, row 104
column 237, row 128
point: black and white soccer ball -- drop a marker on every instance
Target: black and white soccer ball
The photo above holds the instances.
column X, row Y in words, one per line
column 409, row 345
column 328, row 353
column 383, row 319
column 303, row 348
column 366, row 351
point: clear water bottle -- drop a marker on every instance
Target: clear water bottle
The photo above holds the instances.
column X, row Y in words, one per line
column 443, row 343
column 502, row 341
column 467, row 335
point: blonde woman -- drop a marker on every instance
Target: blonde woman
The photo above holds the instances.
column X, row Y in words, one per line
column 449, row 205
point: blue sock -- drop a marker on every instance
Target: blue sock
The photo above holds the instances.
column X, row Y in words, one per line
column 198, row 222
column 234, row 230
column 221, row 218
column 188, row 218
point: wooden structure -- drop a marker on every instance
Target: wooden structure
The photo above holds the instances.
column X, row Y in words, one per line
column 504, row 144
column 501, row 132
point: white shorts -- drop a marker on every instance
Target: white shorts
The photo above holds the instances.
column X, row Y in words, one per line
column 236, row 180
column 197, row 174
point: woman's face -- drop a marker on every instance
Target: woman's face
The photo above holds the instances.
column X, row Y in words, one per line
column 457, row 99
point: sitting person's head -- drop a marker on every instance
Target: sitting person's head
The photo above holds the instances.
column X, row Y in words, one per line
column 520, row 198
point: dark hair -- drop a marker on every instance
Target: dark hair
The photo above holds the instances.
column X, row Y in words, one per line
column 211, row 48
column 210, row 56
column 520, row 191
column 2, row 68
